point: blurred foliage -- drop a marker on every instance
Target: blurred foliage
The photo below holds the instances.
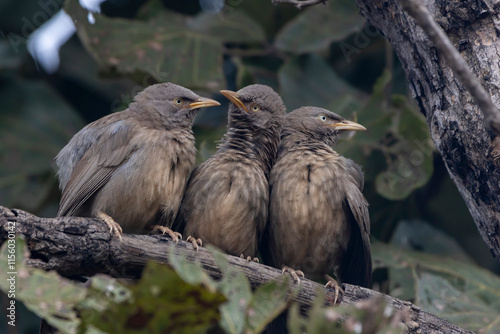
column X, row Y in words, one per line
column 325, row 55
column 181, row 299
column 369, row 316
column 461, row 292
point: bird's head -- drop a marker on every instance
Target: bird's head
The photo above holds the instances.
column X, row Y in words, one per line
column 176, row 105
column 255, row 104
column 320, row 124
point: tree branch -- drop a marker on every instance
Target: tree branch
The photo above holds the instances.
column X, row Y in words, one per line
column 300, row 3
column 75, row 246
column 457, row 63
column 456, row 124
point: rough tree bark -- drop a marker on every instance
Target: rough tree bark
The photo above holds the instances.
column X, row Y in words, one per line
column 470, row 153
column 75, row 246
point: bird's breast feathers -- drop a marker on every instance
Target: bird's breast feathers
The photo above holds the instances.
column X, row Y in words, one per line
column 160, row 168
column 310, row 178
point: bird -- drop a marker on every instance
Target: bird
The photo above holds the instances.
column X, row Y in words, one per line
column 319, row 222
column 227, row 196
column 130, row 168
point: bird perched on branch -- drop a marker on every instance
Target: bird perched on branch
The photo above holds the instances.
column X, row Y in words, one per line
column 318, row 220
column 131, row 167
column 226, row 199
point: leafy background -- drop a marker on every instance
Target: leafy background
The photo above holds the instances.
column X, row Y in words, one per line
column 426, row 246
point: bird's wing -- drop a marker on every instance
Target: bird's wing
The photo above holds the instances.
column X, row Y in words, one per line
column 107, row 150
column 358, row 262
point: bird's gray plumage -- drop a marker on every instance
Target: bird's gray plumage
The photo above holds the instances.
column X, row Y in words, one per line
column 226, row 199
column 132, row 165
column 319, row 221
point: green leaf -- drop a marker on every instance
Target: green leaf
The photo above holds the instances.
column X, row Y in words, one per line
column 236, row 288
column 32, row 131
column 409, row 168
column 438, row 296
column 448, row 288
column 267, row 302
column 396, row 130
column 162, row 48
column 411, row 161
column 309, row 81
column 190, row 272
column 165, row 45
column 422, row 236
column 161, row 302
column 45, row 293
column 318, row 26
column 237, row 27
column 368, row 316
column 245, row 312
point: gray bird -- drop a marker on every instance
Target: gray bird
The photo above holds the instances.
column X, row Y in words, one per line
column 131, row 167
column 226, row 199
column 318, row 220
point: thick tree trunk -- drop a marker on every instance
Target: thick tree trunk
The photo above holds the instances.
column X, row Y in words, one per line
column 470, row 153
column 75, row 246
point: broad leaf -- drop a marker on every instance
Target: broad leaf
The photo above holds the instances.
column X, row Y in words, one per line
column 245, row 312
column 237, row 27
column 160, row 302
column 167, row 46
column 309, row 81
column 45, row 293
column 368, row 316
column 399, row 133
column 448, row 288
column 319, row 26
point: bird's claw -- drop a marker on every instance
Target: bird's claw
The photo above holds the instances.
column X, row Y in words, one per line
column 333, row 284
column 249, row 258
column 176, row 236
column 197, row 243
column 114, row 228
column 296, row 274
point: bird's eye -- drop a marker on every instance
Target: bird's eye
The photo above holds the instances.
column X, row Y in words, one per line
column 178, row 101
column 322, row 118
column 255, row 108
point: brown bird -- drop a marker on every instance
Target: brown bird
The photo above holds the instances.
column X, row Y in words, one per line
column 133, row 165
column 226, row 199
column 318, row 220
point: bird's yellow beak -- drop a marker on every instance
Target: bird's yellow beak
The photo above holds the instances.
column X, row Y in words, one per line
column 233, row 97
column 348, row 126
column 203, row 102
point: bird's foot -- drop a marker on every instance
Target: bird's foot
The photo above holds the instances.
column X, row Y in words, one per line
column 197, row 243
column 332, row 283
column 176, row 236
column 296, row 274
column 114, row 228
column 249, row 258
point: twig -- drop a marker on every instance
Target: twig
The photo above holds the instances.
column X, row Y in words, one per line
column 75, row 246
column 300, row 4
column 457, row 63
